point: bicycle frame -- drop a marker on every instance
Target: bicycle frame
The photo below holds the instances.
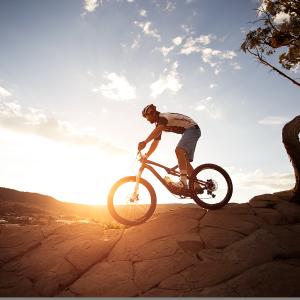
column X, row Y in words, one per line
column 202, row 191
column 146, row 164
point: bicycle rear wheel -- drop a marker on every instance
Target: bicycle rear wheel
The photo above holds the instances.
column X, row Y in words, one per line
column 127, row 209
column 214, row 186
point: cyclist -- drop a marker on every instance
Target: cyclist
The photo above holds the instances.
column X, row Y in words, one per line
column 177, row 123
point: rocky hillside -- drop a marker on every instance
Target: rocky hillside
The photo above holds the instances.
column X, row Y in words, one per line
column 250, row 249
column 15, row 203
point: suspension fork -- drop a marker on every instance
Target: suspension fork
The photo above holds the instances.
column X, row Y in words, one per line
column 137, row 181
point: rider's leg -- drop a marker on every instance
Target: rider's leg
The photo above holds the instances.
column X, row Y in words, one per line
column 185, row 150
column 190, row 168
column 182, row 164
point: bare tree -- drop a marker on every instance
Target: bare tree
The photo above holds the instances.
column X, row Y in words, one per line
column 279, row 29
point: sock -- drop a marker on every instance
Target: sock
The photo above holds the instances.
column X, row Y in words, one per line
column 183, row 177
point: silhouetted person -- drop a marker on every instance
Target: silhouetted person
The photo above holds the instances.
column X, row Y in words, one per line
column 177, row 123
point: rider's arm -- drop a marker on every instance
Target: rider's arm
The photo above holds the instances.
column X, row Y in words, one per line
column 155, row 133
column 152, row 148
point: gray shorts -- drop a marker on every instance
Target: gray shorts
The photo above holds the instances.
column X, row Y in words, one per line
column 189, row 141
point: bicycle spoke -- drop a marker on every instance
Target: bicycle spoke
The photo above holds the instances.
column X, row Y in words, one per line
column 129, row 208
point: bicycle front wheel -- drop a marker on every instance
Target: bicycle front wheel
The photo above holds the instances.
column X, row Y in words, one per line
column 211, row 186
column 127, row 208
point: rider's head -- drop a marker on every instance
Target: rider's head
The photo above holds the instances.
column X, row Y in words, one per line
column 150, row 113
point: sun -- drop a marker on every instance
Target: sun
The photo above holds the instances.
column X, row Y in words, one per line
column 69, row 173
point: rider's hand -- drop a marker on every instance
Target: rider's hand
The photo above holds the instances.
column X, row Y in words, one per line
column 141, row 146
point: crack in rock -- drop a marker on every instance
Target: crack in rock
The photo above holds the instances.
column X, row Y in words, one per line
column 218, row 227
column 33, row 285
column 20, row 255
column 147, row 276
column 236, row 292
column 177, row 277
column 67, row 286
column 75, row 268
column 133, row 280
column 205, row 212
column 69, row 290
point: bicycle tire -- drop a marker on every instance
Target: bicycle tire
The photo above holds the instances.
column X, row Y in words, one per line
column 113, row 211
column 196, row 197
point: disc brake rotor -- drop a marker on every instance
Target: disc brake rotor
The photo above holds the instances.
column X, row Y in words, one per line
column 212, row 185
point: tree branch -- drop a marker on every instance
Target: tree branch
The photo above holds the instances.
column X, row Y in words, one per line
column 263, row 61
column 270, row 22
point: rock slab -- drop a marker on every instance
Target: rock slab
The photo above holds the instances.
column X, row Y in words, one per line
column 245, row 250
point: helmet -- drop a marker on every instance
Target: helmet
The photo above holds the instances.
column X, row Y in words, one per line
column 148, row 109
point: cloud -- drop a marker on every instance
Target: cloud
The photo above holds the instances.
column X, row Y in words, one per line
column 194, row 45
column 236, row 66
column 168, row 80
column 165, row 51
column 148, row 30
column 34, row 121
column 187, row 28
column 117, row 89
column 273, row 120
column 215, row 57
column 4, row 93
column 136, row 42
column 223, row 38
column 281, row 18
column 208, row 54
column 143, row 13
column 217, row 70
column 258, row 179
column 170, row 6
column 91, row 5
column 177, row 41
column 207, row 105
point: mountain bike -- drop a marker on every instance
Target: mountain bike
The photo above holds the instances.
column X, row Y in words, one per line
column 132, row 199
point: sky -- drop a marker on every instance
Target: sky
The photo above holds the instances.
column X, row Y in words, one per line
column 76, row 74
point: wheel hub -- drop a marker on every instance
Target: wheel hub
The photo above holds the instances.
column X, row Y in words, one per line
column 212, row 185
column 133, row 198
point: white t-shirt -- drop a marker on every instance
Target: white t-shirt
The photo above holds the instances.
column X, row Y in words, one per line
column 174, row 122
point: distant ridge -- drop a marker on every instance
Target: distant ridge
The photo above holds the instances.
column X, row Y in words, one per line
column 15, row 195
column 18, row 202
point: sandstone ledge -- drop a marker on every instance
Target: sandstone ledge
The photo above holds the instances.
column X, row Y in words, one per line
column 240, row 250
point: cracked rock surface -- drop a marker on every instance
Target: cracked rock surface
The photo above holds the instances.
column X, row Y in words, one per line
column 246, row 250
